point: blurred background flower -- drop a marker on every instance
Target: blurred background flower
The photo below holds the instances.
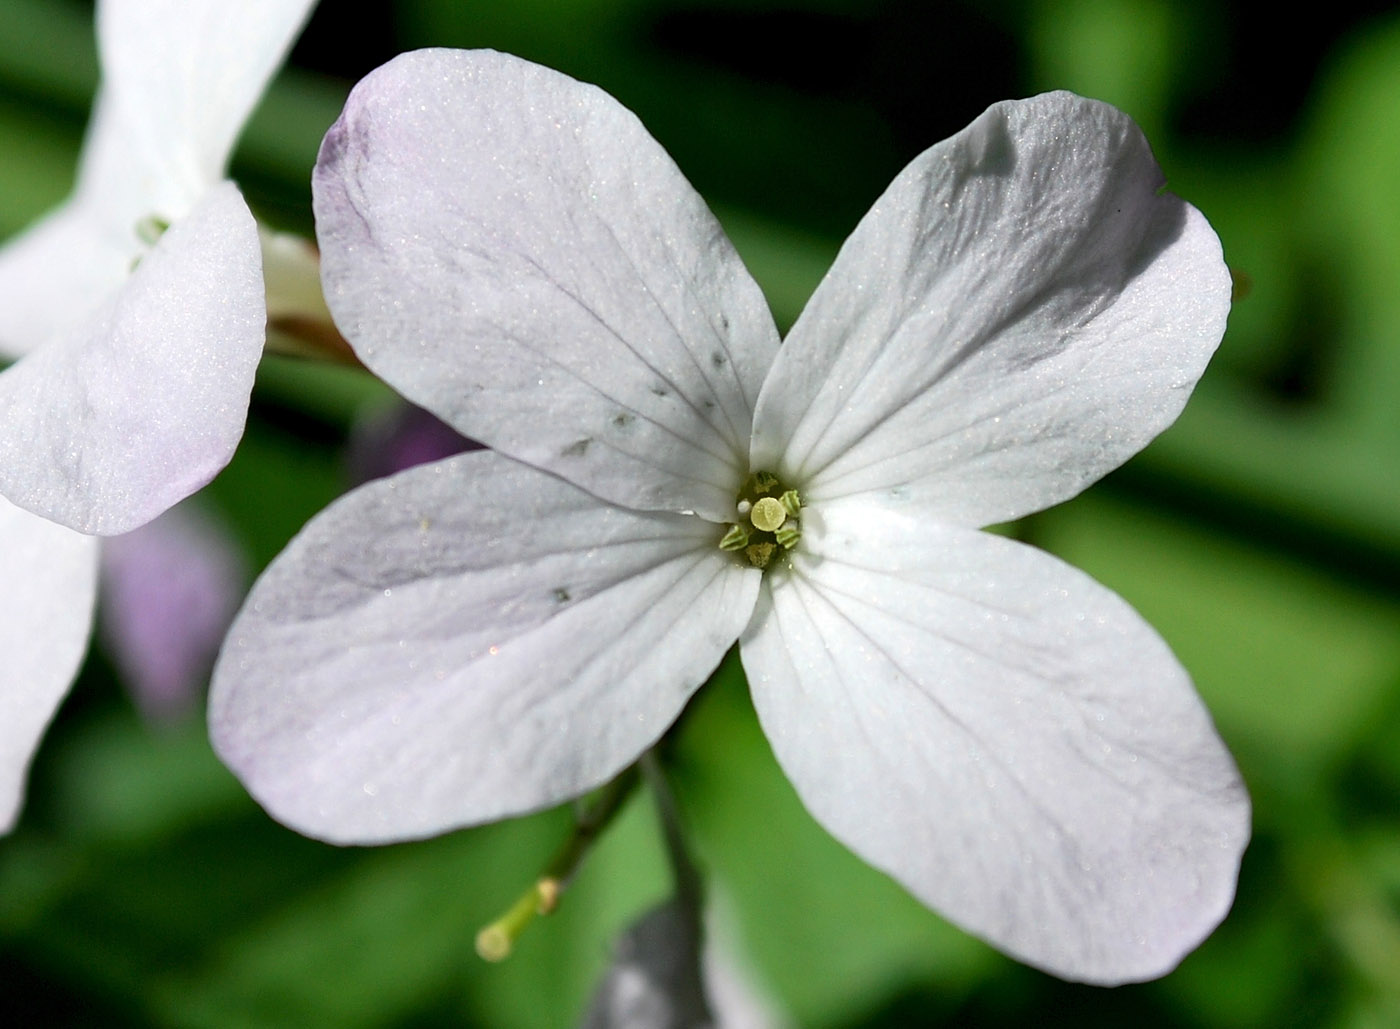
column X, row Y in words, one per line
column 168, row 593
column 1260, row 535
column 389, row 438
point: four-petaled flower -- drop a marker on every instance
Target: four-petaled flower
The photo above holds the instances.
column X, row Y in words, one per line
column 135, row 317
column 1021, row 311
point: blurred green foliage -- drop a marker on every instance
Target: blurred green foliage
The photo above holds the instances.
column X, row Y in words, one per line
column 1261, row 536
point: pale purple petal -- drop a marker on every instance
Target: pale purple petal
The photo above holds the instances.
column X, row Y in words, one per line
column 465, row 641
column 183, row 76
column 403, row 436
column 50, row 576
column 508, row 248
column 1019, row 313
column 144, row 403
column 169, row 592
column 1004, row 736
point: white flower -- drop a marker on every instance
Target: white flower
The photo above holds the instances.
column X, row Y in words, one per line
column 136, row 308
column 135, row 314
column 493, row 633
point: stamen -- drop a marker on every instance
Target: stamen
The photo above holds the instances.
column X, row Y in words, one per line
column 737, row 538
column 769, row 520
column 760, row 554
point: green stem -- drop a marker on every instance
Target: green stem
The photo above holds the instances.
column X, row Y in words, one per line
column 683, row 870
column 689, row 884
column 497, row 940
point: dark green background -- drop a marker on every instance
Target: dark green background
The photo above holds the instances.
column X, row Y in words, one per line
column 1260, row 535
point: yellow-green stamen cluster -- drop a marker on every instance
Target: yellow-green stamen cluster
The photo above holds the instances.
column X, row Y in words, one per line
column 769, row 520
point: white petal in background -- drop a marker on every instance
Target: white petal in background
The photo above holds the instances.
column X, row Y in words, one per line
column 55, row 273
column 183, row 76
column 1004, row 736
column 1020, row 312
column 179, row 79
column 144, row 403
column 465, row 641
column 502, row 244
column 655, row 981
column 50, row 578
column 68, row 265
column 668, row 972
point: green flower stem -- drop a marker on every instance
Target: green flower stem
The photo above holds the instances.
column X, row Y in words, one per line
column 690, row 892
column 687, row 877
column 495, row 941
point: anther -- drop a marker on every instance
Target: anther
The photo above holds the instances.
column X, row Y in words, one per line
column 737, row 538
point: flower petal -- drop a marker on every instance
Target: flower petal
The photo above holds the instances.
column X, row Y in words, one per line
column 67, row 265
column 670, row 972
column 655, row 980
column 169, row 592
column 141, row 405
column 53, row 274
column 180, row 79
column 1021, row 312
column 511, row 250
column 50, row 576
column 183, row 76
column 464, row 641
column 1004, row 736
column 388, row 440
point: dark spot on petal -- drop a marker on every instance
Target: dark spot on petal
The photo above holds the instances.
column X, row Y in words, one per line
column 576, row 449
column 561, row 595
column 661, row 391
column 622, row 419
column 708, row 404
column 718, row 359
column 724, row 322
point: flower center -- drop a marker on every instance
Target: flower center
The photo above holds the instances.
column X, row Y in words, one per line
column 150, row 228
column 768, row 523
